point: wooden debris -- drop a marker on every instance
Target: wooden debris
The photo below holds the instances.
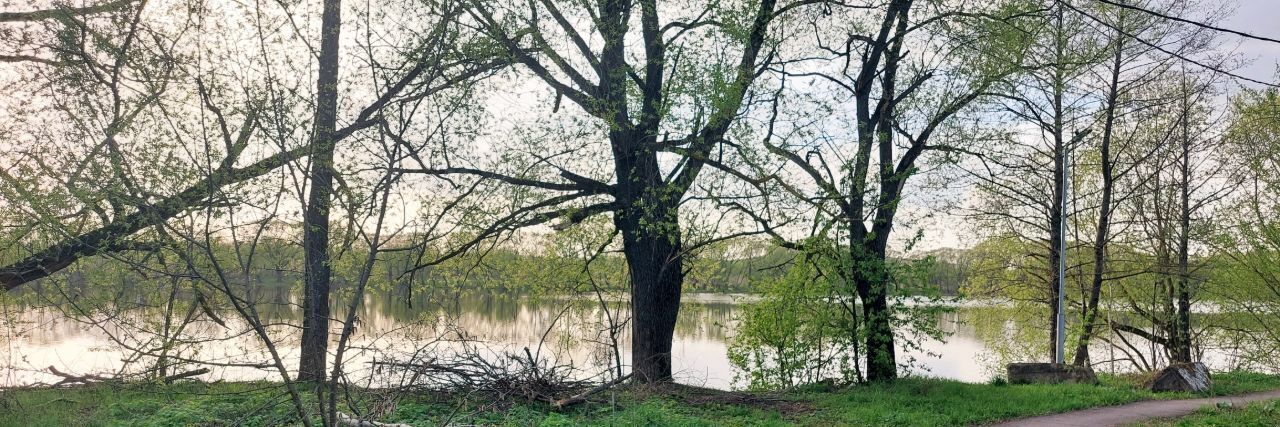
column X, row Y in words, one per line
column 350, row 421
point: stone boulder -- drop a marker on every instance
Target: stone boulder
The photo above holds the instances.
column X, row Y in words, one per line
column 1192, row 377
column 1049, row 373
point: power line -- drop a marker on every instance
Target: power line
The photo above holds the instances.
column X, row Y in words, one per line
column 1209, row 67
column 1192, row 22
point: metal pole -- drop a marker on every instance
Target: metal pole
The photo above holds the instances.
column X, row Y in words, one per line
column 1061, row 322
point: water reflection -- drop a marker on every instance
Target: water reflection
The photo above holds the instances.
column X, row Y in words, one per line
column 981, row 339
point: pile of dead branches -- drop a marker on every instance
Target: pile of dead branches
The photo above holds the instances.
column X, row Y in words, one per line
column 501, row 376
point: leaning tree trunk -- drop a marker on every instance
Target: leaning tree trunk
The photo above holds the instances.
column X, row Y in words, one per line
column 1104, row 210
column 315, row 224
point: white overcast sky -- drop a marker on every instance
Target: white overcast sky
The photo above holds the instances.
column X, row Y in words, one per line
column 1258, row 17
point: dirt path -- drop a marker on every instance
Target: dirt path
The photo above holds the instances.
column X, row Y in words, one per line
column 1134, row 412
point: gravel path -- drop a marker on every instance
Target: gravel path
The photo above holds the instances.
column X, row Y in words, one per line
column 1135, row 412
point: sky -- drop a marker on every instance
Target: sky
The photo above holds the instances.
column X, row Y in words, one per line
column 1258, row 17
column 1253, row 16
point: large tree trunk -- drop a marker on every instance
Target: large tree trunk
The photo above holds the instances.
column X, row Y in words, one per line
column 872, row 280
column 654, row 262
column 649, row 223
column 315, row 224
column 873, row 289
column 870, row 272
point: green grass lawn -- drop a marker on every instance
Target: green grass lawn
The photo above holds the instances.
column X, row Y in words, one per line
column 1260, row 414
column 909, row 402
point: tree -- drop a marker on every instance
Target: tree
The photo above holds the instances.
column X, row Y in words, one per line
column 1181, row 185
column 1023, row 178
column 140, row 171
column 636, row 98
column 61, row 11
column 886, row 101
column 76, row 225
column 1101, row 89
column 1143, row 52
column 1246, row 280
column 315, row 220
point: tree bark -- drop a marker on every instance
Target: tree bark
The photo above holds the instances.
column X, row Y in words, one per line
column 654, row 261
column 315, row 225
column 1104, row 209
column 1182, row 326
column 651, row 239
column 872, row 283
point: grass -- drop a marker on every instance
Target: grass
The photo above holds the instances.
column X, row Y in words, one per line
column 182, row 404
column 1262, row 414
column 945, row 403
column 909, row 402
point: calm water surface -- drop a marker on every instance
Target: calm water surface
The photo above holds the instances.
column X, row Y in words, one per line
column 980, row 340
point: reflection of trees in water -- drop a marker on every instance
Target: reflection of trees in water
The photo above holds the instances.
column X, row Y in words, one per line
column 517, row 318
column 1225, row 341
column 1010, row 334
column 1005, row 334
column 710, row 321
column 499, row 317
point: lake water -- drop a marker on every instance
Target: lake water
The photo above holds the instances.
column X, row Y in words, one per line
column 570, row 330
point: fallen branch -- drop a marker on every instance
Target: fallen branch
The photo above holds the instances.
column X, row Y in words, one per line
column 1140, row 332
column 94, row 379
column 75, row 379
column 582, row 397
column 188, row 374
column 350, row 421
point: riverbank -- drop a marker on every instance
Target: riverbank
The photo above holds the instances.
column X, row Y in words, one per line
column 910, row 402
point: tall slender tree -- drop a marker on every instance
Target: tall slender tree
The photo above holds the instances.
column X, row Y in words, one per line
column 1022, row 179
column 891, row 111
column 317, row 271
column 1143, row 52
